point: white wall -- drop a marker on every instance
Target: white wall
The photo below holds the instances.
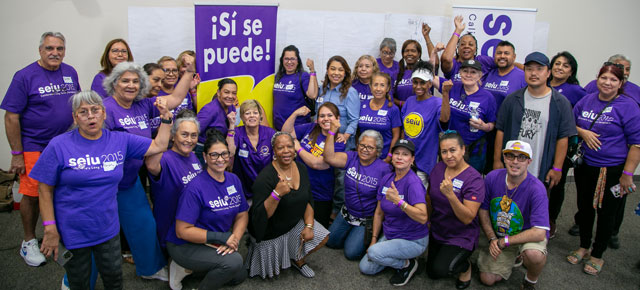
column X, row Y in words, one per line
column 590, row 30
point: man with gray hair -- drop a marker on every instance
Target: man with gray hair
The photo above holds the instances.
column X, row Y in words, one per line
column 37, row 109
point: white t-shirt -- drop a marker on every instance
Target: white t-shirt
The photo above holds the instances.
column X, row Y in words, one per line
column 534, row 126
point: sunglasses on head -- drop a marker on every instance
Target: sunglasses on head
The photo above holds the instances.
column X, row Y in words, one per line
column 614, row 64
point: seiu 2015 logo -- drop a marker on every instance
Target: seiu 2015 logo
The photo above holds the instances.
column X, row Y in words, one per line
column 88, row 161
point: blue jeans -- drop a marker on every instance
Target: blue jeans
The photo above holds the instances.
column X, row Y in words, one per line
column 477, row 161
column 349, row 237
column 391, row 253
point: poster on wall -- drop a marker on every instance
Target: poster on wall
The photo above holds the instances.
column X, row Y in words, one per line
column 237, row 42
column 491, row 25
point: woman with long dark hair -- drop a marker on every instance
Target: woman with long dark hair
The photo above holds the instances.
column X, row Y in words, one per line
column 116, row 51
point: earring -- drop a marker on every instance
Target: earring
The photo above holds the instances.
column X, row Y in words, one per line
column 274, row 157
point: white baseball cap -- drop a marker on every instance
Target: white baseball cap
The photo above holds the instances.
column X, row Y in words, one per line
column 519, row 146
column 423, row 74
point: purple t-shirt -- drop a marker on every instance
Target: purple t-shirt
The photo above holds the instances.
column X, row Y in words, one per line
column 572, row 92
column 618, row 125
column 630, row 89
column 421, row 124
column 480, row 103
column 134, row 120
column 249, row 161
column 96, row 85
column 209, row 204
column 454, row 75
column 446, row 228
column 186, row 104
column 364, row 90
column 502, row 86
column 383, row 121
column 85, row 174
column 364, row 181
column 288, row 96
column 41, row 98
column 392, row 71
column 397, row 224
column 321, row 180
column 404, row 89
column 212, row 115
column 177, row 171
column 516, row 210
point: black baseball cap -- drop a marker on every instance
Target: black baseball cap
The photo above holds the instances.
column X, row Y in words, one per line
column 472, row 64
column 405, row 144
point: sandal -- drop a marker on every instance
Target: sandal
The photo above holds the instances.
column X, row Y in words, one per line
column 575, row 258
column 593, row 265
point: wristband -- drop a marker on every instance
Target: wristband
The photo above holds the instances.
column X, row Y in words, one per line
column 556, row 169
column 331, row 133
column 312, row 74
column 16, row 152
column 48, row 223
column 166, row 121
column 308, row 226
column 456, row 34
column 506, row 241
column 231, row 135
column 400, row 203
column 299, row 149
column 389, row 155
column 623, row 172
column 274, row 195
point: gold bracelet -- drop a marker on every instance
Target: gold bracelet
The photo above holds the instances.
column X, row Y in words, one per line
column 404, row 206
column 308, row 226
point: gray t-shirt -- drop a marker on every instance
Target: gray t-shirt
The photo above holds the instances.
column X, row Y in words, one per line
column 534, row 126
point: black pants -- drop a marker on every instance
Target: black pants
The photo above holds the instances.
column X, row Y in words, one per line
column 446, row 260
column 586, row 181
column 220, row 270
column 556, row 195
column 322, row 212
column 108, row 262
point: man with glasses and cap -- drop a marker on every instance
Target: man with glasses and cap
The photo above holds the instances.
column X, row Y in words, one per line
column 515, row 218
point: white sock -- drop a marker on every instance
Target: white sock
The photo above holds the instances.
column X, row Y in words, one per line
column 528, row 280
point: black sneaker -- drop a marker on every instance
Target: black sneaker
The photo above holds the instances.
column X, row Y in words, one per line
column 614, row 242
column 402, row 276
column 574, row 230
column 526, row 285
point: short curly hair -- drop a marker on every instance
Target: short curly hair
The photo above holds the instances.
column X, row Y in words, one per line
column 110, row 81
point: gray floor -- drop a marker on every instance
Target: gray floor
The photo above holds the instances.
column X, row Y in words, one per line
column 333, row 271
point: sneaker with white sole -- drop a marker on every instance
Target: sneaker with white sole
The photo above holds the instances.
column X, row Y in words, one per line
column 30, row 252
column 162, row 275
column 176, row 274
column 64, row 286
column 402, row 276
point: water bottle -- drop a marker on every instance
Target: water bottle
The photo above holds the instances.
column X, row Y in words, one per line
column 474, row 115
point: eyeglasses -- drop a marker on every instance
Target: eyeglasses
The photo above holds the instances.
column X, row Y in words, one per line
column 84, row 113
column 290, row 59
column 216, row 155
column 366, row 147
column 614, row 64
column 388, row 53
column 510, row 156
column 170, row 71
column 119, row 51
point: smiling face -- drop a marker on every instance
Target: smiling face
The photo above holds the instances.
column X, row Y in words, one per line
column 251, row 118
column 387, row 55
column 470, row 76
column 367, row 150
column 516, row 168
column 325, row 116
column 185, row 138
column 336, row 73
column 467, row 48
column 402, row 158
column 451, row 152
column 89, row 119
column 283, row 150
column 217, row 158
column 608, row 84
column 290, row 62
column 228, row 95
column 627, row 67
column 379, row 87
column 536, row 75
column 504, row 57
column 420, row 87
column 127, row 87
column 51, row 52
column 410, row 54
column 170, row 68
column 561, row 69
column 155, row 81
column 364, row 70
column 118, row 53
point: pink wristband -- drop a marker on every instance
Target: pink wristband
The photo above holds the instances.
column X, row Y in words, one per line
column 456, row 34
column 47, row 223
column 556, row 169
column 627, row 173
column 16, row 152
column 273, row 194
column 389, row 155
column 400, row 203
column 313, row 74
column 331, row 133
column 299, row 149
column 506, row 241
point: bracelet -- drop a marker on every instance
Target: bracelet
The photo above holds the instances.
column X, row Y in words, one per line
column 331, row 133
column 492, row 239
column 404, row 206
column 312, row 74
column 506, row 240
column 308, row 226
column 389, row 155
column 556, row 169
column 231, row 135
column 48, row 223
column 16, row 152
column 456, row 34
column 275, row 195
column 400, row 203
column 166, row 121
column 627, row 173
column 299, row 149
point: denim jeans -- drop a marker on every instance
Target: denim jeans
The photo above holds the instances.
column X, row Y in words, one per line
column 347, row 236
column 391, row 253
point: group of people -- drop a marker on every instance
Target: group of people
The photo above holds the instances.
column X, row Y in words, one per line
column 369, row 161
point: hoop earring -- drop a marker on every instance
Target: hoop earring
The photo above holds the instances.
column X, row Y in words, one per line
column 274, row 157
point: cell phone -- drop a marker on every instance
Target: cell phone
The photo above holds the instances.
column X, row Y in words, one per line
column 64, row 255
column 615, row 190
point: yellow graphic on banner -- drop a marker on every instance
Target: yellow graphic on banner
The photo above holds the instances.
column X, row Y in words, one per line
column 263, row 92
column 413, row 124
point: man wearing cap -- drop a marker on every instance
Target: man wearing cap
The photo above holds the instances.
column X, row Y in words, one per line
column 37, row 109
column 515, row 218
column 540, row 116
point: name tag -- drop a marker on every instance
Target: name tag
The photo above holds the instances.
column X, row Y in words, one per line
column 67, row 80
column 504, row 83
column 474, row 104
column 196, row 166
column 457, row 183
column 231, row 190
column 384, row 190
column 243, row 153
column 607, row 110
column 142, row 125
column 382, row 112
column 109, row 165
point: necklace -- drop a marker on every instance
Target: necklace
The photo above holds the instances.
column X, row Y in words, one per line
column 285, row 175
column 507, row 198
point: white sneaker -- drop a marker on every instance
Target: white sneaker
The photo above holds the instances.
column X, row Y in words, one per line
column 162, row 274
column 30, row 252
column 176, row 274
column 64, row 286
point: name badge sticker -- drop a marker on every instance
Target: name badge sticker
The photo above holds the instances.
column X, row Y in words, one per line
column 196, row 166
column 504, row 83
column 142, row 125
column 382, row 112
column 109, row 165
column 243, row 153
column 474, row 104
column 384, row 190
column 607, row 110
column 457, row 183
column 231, row 189
column 67, row 80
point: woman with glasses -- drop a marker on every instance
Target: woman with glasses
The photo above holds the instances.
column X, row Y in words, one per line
column 292, row 86
column 470, row 110
column 364, row 171
column 210, row 220
column 218, row 113
column 365, row 68
column 116, row 51
column 183, row 63
column 607, row 122
column 172, row 77
column 461, row 48
column 78, row 174
column 283, row 230
column 456, row 192
column 386, row 62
